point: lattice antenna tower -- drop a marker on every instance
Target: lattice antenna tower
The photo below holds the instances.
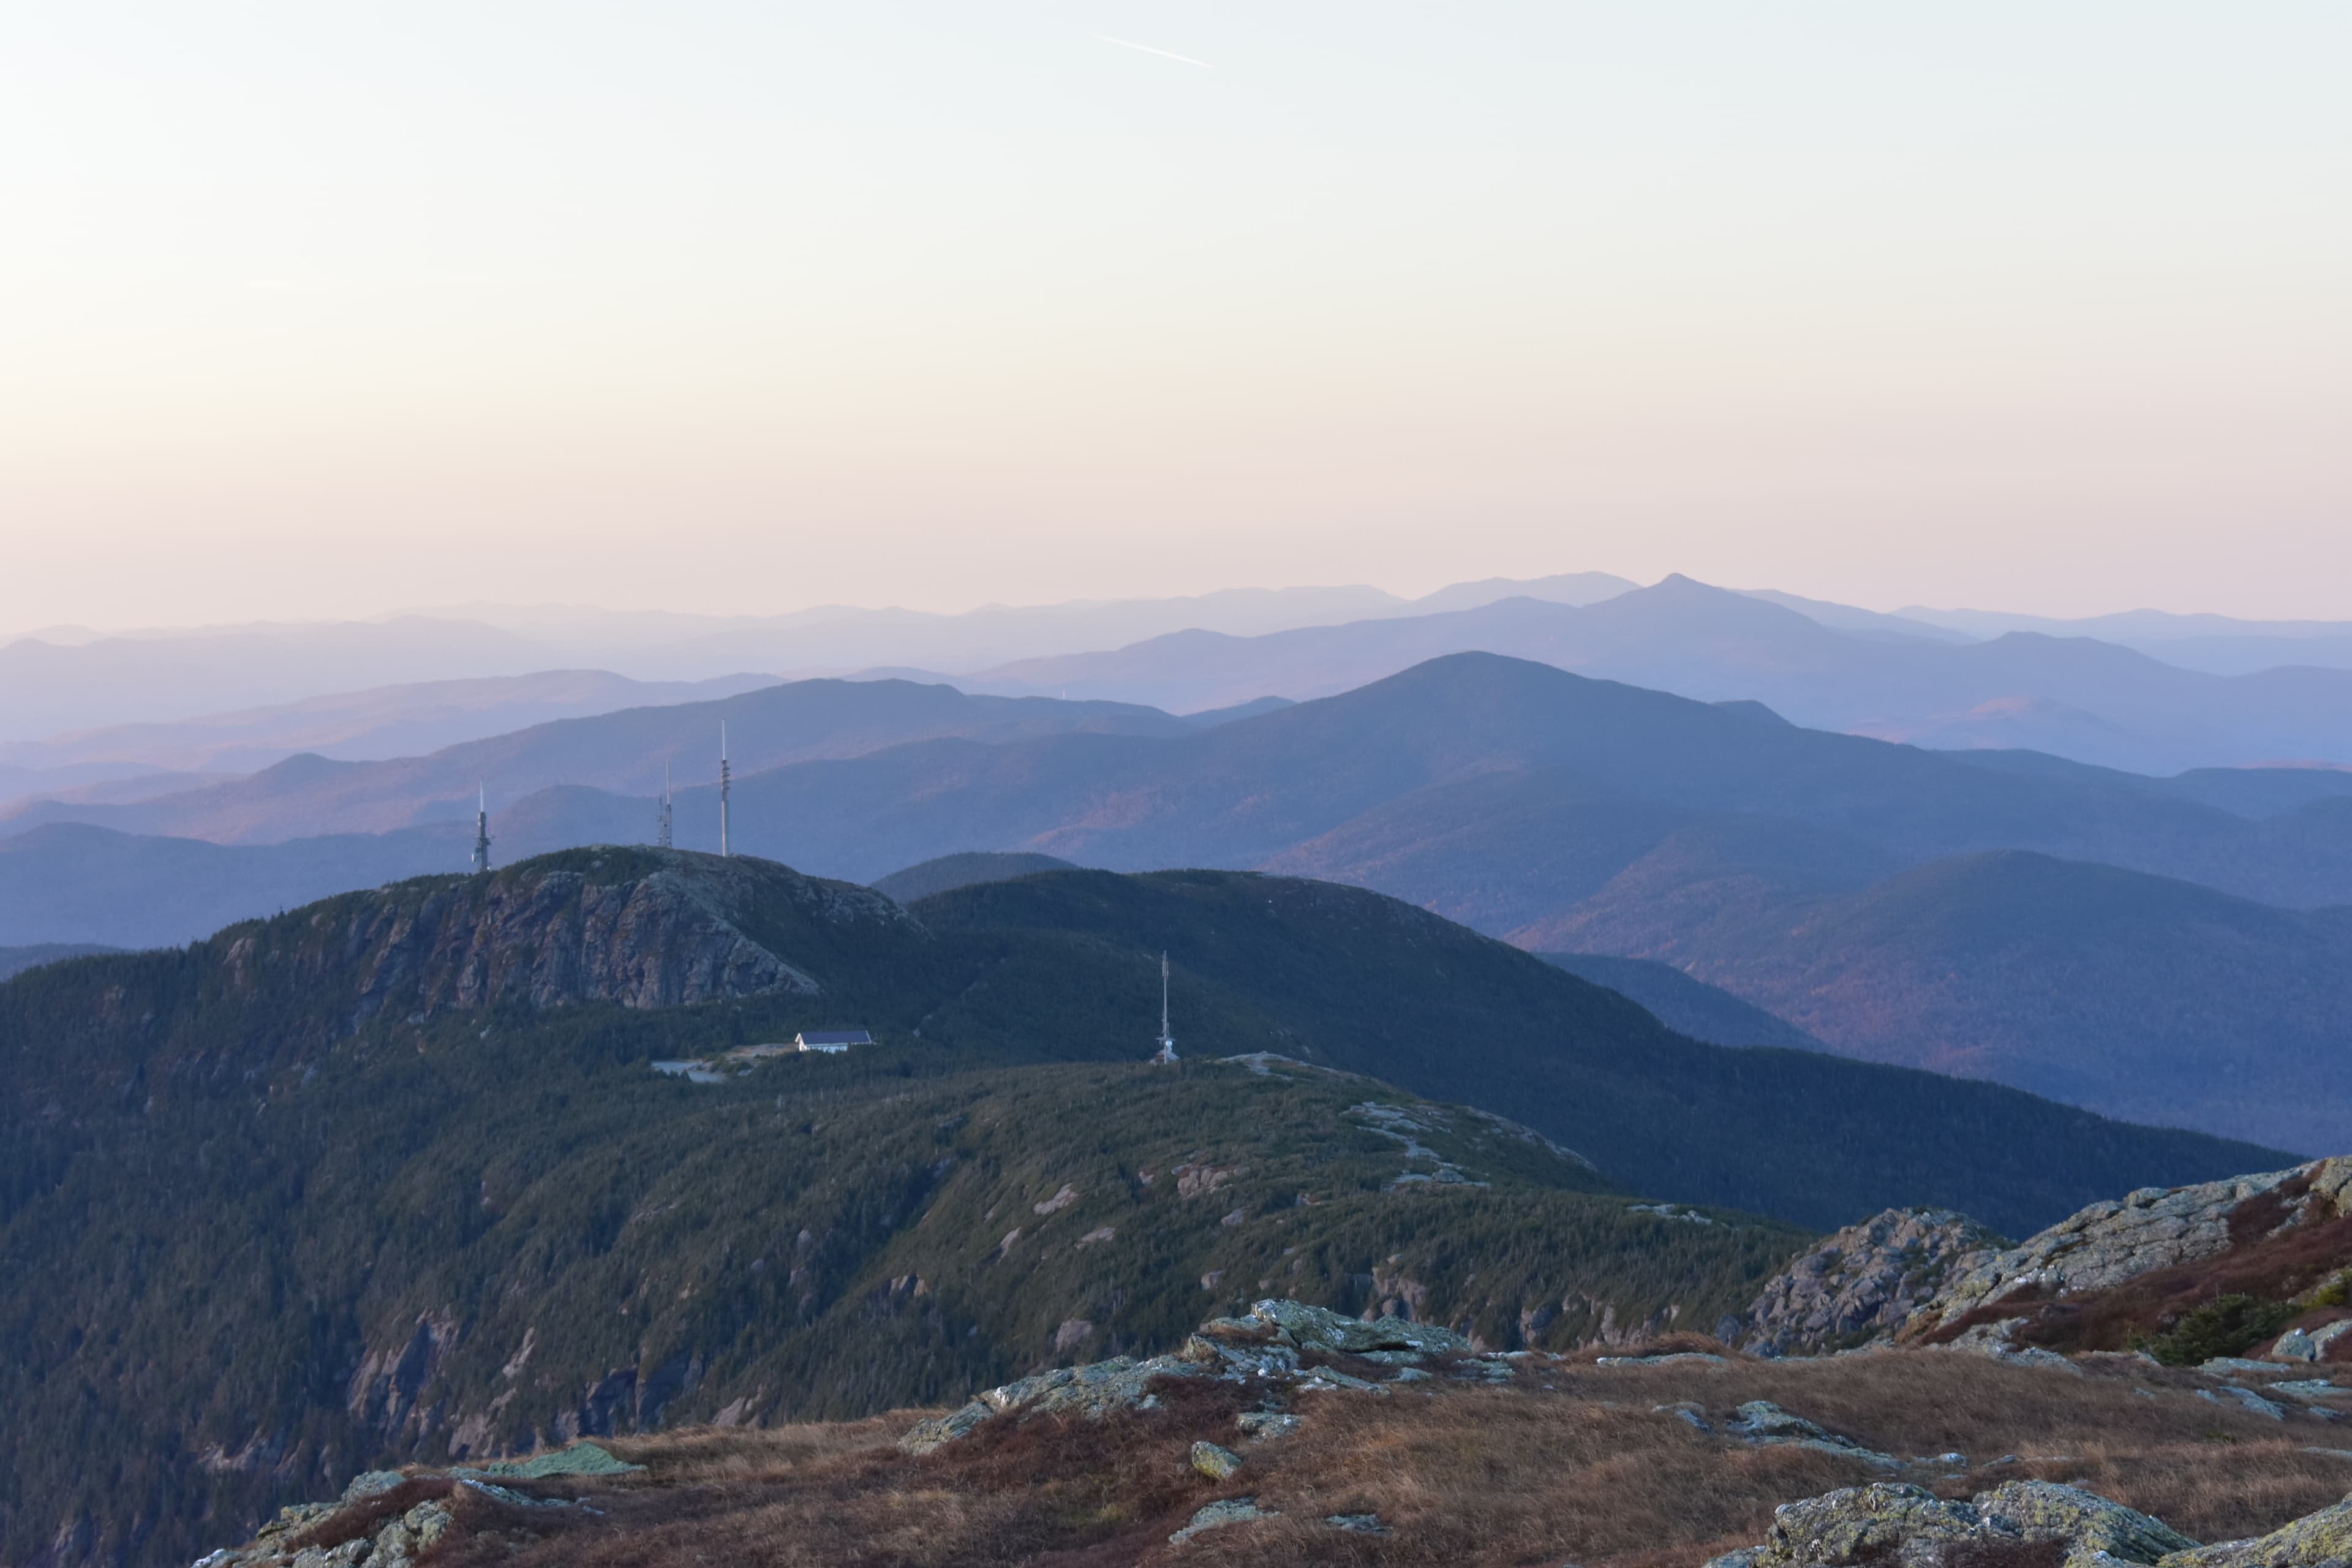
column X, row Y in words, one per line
column 1167, row 1051
column 482, row 829
column 723, row 850
column 662, row 814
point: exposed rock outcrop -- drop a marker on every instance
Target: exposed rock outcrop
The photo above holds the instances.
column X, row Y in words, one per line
column 1931, row 1276
column 673, row 934
column 1863, row 1282
column 1280, row 1345
column 642, row 928
column 2314, row 1541
column 1891, row 1522
column 2113, row 1242
column 375, row 1522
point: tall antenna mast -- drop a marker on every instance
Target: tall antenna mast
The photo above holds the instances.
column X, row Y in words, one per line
column 482, row 829
column 722, row 788
column 1166, row 1054
column 661, row 816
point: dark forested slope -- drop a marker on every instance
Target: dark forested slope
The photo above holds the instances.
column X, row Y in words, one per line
column 2131, row 994
column 394, row 1174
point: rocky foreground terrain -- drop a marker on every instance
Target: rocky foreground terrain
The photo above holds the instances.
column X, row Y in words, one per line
column 1978, row 1417
column 1295, row 1434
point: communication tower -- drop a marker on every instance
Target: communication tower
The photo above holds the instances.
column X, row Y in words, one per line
column 482, row 829
column 1166, row 1054
column 722, row 789
column 661, row 813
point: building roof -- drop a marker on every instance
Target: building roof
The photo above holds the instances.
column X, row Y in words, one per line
column 835, row 1037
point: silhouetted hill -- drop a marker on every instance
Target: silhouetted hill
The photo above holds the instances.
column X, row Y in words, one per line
column 1686, row 1006
column 2137, row 996
column 950, row 872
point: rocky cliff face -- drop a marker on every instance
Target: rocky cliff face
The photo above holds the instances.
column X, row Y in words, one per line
column 2153, row 1232
column 642, row 928
column 1863, row 1283
column 2118, row 1273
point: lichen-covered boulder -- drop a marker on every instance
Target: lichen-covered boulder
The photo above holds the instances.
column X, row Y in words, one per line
column 402, row 1540
column 2322, row 1539
column 1886, row 1520
column 2089, row 1524
column 1216, row 1515
column 936, row 1431
column 1219, row 1464
column 1320, row 1328
column 1893, row 1522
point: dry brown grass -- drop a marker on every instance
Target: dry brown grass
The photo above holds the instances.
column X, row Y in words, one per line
column 1585, row 1470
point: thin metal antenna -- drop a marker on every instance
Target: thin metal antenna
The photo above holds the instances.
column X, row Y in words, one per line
column 723, row 850
column 1166, row 1054
column 482, row 828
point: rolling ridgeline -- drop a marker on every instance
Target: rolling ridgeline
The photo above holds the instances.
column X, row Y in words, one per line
column 391, row 1176
column 1991, row 914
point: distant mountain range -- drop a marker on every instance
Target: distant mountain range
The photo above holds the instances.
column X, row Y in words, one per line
column 2074, row 697
column 631, row 750
column 405, row 720
column 70, row 680
column 67, row 680
column 1568, row 813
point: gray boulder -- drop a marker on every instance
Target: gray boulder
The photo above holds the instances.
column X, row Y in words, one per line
column 1896, row 1522
column 2322, row 1539
column 1884, row 1521
column 1217, row 1515
column 2089, row 1524
column 1320, row 1328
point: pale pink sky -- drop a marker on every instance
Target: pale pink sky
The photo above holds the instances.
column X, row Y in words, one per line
column 311, row 311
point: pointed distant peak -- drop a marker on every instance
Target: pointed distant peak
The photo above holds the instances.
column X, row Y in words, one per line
column 1680, row 594
column 1678, row 586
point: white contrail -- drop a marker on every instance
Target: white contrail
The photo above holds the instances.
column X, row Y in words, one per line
column 1147, row 48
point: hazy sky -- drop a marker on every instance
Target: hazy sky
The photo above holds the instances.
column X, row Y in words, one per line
column 328, row 308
